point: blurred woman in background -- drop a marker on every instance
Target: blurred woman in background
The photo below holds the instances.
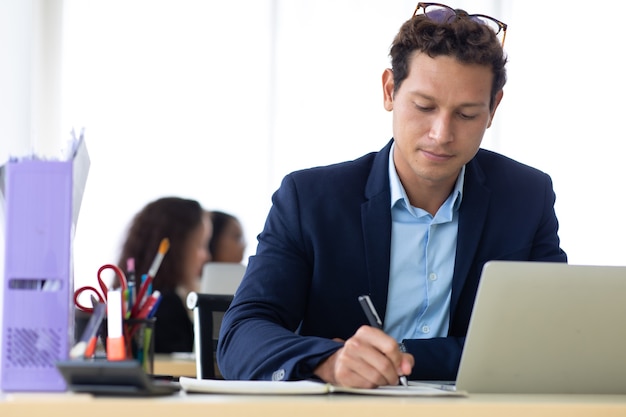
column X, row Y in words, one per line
column 227, row 243
column 188, row 227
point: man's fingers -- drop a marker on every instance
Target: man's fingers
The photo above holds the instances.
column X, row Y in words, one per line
column 368, row 359
column 359, row 366
column 406, row 365
column 374, row 356
column 379, row 339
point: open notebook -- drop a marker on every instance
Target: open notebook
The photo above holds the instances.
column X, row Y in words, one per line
column 547, row 328
column 214, row 386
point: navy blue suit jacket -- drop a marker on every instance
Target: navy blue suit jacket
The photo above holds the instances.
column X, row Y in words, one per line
column 326, row 241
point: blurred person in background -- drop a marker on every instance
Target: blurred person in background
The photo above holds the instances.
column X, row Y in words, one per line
column 188, row 227
column 227, row 243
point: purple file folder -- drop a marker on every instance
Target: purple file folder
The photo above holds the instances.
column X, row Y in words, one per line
column 38, row 281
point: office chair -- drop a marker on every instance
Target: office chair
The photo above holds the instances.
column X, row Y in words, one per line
column 208, row 311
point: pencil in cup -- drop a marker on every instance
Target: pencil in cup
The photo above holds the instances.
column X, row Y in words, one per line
column 138, row 340
column 139, row 336
column 86, row 346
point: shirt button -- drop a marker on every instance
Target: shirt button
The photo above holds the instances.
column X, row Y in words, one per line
column 425, row 329
column 432, row 276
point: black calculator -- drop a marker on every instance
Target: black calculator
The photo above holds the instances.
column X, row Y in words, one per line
column 103, row 377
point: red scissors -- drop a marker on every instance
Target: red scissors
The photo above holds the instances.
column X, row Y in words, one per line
column 101, row 296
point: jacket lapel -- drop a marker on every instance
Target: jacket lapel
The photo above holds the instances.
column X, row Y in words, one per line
column 472, row 217
column 376, row 221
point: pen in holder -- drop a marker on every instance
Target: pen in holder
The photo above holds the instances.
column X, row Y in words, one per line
column 138, row 341
column 139, row 338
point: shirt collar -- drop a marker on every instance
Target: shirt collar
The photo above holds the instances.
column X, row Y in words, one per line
column 398, row 192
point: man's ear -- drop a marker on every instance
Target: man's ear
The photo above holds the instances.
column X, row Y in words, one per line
column 388, row 86
column 497, row 100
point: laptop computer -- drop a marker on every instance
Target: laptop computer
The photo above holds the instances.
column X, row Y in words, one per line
column 546, row 328
column 221, row 277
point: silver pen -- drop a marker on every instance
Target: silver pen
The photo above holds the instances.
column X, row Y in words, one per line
column 374, row 320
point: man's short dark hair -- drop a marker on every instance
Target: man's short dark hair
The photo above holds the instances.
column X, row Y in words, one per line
column 466, row 40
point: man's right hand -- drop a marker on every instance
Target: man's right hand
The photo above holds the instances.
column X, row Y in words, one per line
column 368, row 359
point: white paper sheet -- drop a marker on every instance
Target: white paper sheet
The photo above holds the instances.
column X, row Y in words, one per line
column 213, row 386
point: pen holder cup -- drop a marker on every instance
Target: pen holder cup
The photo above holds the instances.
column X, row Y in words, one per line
column 139, row 339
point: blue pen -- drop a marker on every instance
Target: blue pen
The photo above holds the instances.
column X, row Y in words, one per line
column 154, row 308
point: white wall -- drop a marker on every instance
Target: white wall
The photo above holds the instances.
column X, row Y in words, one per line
column 217, row 100
column 173, row 96
column 563, row 113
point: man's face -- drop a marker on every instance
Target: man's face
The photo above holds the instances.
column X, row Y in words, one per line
column 440, row 113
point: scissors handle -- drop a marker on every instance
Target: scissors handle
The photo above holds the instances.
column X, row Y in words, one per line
column 81, row 290
column 102, row 294
column 118, row 272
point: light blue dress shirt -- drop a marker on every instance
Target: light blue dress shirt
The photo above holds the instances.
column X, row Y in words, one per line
column 423, row 251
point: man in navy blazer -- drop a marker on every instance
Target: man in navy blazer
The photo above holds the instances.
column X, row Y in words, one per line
column 329, row 236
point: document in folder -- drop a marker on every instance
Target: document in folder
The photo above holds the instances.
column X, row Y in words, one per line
column 214, row 386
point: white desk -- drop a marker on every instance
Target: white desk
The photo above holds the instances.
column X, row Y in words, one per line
column 192, row 405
